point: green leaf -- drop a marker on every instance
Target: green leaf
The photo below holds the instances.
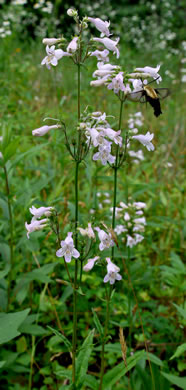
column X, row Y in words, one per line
column 180, row 382
column 179, row 351
column 34, row 330
column 2, row 362
column 62, row 337
column 64, row 373
column 91, row 382
column 83, row 357
column 97, row 323
column 154, row 359
column 9, row 324
column 112, row 376
column 181, row 311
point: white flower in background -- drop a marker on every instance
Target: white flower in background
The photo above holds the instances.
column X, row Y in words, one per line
column 90, row 264
column 110, row 67
column 104, row 154
column 140, row 221
column 67, row 249
column 137, row 155
column 38, row 213
column 44, row 129
column 102, row 73
column 51, row 41
column 88, row 231
column 110, row 44
column 101, row 55
column 112, row 272
column 101, row 26
column 130, row 241
column 117, row 83
column 153, row 72
column 138, row 238
column 53, row 56
column 19, row 2
column 35, row 225
column 145, row 140
column 126, row 217
column 72, row 47
column 106, row 240
column 120, row 229
column 139, row 205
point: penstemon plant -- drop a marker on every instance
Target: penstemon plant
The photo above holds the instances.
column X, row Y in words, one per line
column 97, row 243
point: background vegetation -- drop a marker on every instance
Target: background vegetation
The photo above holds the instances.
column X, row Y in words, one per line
column 39, row 173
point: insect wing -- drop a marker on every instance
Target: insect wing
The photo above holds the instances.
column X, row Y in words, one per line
column 162, row 92
column 135, row 96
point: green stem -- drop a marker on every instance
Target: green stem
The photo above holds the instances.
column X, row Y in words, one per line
column 11, row 232
column 104, row 339
column 116, row 167
column 31, row 363
column 74, row 336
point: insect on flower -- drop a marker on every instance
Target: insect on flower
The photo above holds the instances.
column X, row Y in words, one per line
column 150, row 95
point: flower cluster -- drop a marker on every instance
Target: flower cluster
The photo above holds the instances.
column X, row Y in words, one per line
column 112, row 269
column 36, row 222
column 5, row 29
column 132, row 222
column 99, row 134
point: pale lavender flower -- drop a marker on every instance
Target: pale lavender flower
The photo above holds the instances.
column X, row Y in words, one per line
column 72, row 47
column 35, row 225
column 140, row 221
column 117, row 83
column 112, row 272
column 101, row 26
column 51, row 41
column 110, row 44
column 101, row 55
column 111, row 134
column 104, row 154
column 67, row 249
column 87, row 232
column 153, row 72
column 130, row 241
column 38, row 213
column 139, row 205
column 120, row 229
column 145, row 140
column 99, row 82
column 44, row 129
column 139, row 154
column 53, row 56
column 106, row 240
column 90, row 264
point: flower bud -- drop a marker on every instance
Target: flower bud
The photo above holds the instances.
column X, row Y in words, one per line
column 71, row 12
column 51, row 41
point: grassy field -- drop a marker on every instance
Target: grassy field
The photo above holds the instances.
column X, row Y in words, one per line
column 40, row 172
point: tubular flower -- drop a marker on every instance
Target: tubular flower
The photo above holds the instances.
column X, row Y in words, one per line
column 72, row 47
column 104, row 154
column 110, row 44
column 51, row 41
column 88, row 231
column 101, row 26
column 53, row 56
column 67, row 249
column 112, row 272
column 106, row 240
column 90, row 264
column 152, row 72
column 38, row 213
column 101, row 55
column 35, row 225
column 44, row 129
column 145, row 140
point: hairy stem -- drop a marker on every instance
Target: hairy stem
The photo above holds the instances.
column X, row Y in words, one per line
column 104, row 339
column 74, row 336
column 11, row 232
column 116, row 167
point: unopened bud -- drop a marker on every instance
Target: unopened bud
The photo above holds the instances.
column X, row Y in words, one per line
column 72, row 12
